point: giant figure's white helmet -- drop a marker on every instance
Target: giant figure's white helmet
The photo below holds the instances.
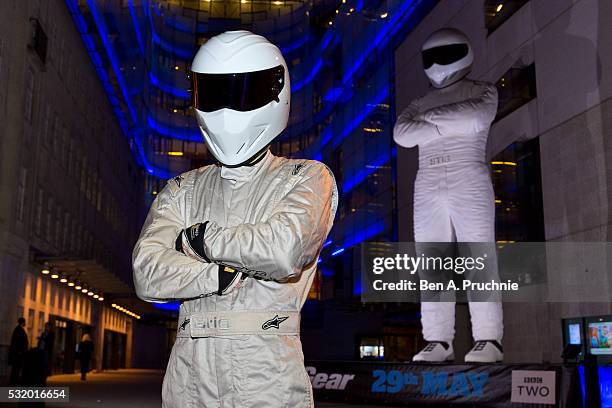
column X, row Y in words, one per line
column 241, row 94
column 447, row 57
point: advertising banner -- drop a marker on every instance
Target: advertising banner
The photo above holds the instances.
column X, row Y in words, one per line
column 493, row 385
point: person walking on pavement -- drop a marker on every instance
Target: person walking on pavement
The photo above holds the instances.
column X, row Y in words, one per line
column 46, row 342
column 19, row 345
column 86, row 348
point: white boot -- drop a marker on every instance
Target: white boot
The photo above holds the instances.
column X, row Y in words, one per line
column 485, row 351
column 435, row 352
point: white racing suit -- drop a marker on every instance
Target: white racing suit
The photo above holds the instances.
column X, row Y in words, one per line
column 269, row 219
column 453, row 198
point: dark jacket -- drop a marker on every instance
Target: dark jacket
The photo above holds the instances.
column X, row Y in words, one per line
column 19, row 345
column 85, row 350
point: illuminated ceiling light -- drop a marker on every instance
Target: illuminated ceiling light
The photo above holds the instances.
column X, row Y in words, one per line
column 243, row 1
column 71, row 284
column 90, row 293
column 331, row 22
column 77, row 287
column 175, row 153
column 343, row 1
column 45, row 270
column 351, row 10
column 84, row 290
column 54, row 275
column 176, row 68
column 175, row 110
column 114, row 305
column 96, row 296
column 63, row 280
column 384, row 15
column 337, row 11
column 100, row 298
column 278, row 3
column 499, row 7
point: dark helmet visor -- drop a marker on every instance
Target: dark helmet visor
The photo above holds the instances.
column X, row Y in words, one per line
column 444, row 55
column 242, row 91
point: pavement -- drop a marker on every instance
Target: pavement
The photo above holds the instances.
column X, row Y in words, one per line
column 125, row 388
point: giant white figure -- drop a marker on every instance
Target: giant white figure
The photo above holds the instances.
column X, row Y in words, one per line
column 237, row 243
column 453, row 196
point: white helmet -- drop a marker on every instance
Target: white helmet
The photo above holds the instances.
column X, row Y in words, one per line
column 241, row 94
column 447, row 57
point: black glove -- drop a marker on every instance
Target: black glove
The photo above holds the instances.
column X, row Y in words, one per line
column 229, row 279
column 190, row 241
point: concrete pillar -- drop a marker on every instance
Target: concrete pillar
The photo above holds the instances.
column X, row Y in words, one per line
column 97, row 321
column 128, row 343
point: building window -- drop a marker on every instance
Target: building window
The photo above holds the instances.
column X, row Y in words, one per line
column 517, row 181
column 30, row 325
column 515, row 88
column 498, row 11
column 43, row 292
column 33, row 288
column 41, row 322
column 371, row 348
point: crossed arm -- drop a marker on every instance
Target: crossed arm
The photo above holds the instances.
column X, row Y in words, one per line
column 460, row 118
column 279, row 248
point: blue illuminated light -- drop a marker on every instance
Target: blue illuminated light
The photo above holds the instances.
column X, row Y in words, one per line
column 370, row 231
column 333, row 94
column 357, row 290
column 187, row 134
column 81, row 25
column 605, row 385
column 177, row 25
column 327, row 243
column 177, row 92
column 381, row 38
column 369, row 169
column 135, row 23
column 315, row 70
column 170, row 306
column 337, row 252
column 109, row 50
column 295, row 45
column 153, row 80
column 168, row 46
column 326, row 272
column 326, row 136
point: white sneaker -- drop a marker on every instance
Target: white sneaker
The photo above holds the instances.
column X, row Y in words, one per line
column 485, row 351
column 435, row 352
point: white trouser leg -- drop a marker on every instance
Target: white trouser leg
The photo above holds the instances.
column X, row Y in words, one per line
column 487, row 320
column 438, row 320
column 472, row 211
column 432, row 223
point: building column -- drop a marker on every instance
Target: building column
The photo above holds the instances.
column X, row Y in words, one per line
column 128, row 343
column 97, row 321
